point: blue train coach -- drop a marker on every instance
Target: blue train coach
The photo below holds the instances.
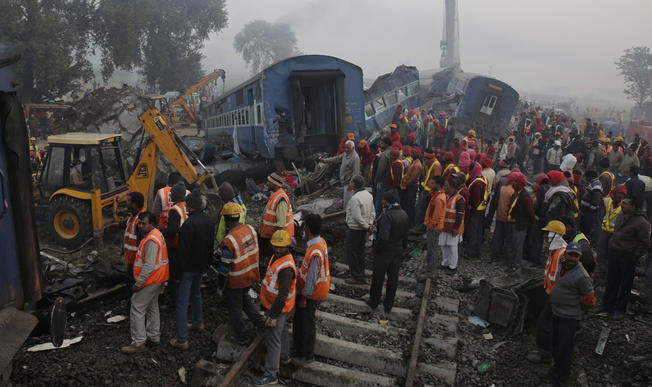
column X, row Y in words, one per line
column 293, row 108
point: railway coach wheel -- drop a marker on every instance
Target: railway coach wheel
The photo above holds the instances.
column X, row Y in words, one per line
column 70, row 221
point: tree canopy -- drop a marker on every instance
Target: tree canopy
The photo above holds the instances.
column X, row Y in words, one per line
column 162, row 39
column 635, row 66
column 262, row 43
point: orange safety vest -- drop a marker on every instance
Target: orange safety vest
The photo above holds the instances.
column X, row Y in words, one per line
column 161, row 271
column 429, row 176
column 243, row 243
column 130, row 241
column 166, row 205
column 609, row 221
column 268, row 224
column 552, row 268
column 180, row 209
column 323, row 283
column 269, row 288
column 483, row 204
column 608, row 148
column 451, row 214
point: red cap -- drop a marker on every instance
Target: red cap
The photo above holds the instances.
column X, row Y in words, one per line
column 556, row 177
column 486, row 161
column 412, row 136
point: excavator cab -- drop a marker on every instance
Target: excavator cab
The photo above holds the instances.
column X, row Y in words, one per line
column 81, row 184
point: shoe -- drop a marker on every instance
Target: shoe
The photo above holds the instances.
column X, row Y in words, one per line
column 372, row 308
column 301, row 361
column 201, row 327
column 537, row 357
column 132, row 348
column 176, row 344
column 602, row 313
column 388, row 310
column 285, row 359
column 451, row 270
column 265, row 381
column 239, row 341
column 355, row 281
column 618, row 316
column 153, row 343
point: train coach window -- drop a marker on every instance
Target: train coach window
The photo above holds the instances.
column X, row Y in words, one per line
column 413, row 89
column 391, row 99
column 259, row 114
column 369, row 109
column 401, row 93
column 488, row 104
column 379, row 104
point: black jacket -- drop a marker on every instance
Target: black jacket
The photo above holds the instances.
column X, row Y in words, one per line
column 195, row 250
column 393, row 226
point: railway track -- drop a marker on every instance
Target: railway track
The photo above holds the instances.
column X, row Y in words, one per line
column 415, row 344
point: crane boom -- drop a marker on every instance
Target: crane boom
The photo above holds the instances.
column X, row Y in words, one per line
column 181, row 101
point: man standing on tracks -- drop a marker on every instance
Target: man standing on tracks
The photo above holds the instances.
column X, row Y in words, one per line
column 349, row 167
column 176, row 216
column 162, row 201
column 151, row 270
column 573, row 287
column 313, row 284
column 391, row 240
column 277, row 215
column 434, row 222
column 360, row 216
column 133, row 236
column 277, row 296
column 239, row 270
column 195, row 253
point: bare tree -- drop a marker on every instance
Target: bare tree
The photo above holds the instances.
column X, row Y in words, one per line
column 635, row 66
column 262, row 43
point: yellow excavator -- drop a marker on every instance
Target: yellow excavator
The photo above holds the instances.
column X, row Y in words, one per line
column 191, row 108
column 83, row 184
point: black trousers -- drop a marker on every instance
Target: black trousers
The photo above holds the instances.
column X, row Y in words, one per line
column 385, row 263
column 238, row 300
column 620, row 278
column 563, row 337
column 355, row 240
column 304, row 329
column 544, row 329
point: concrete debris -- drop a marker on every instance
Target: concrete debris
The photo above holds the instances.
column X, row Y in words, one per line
column 602, row 341
column 50, row 346
column 182, row 374
column 116, row 319
column 475, row 320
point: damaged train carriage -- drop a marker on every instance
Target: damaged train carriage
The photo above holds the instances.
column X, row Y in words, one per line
column 300, row 105
column 476, row 101
column 400, row 87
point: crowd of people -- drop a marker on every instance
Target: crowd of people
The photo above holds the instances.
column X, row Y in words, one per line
column 572, row 200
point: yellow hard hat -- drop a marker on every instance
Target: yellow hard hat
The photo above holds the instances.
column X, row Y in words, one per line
column 32, row 138
column 231, row 208
column 472, row 132
column 555, row 226
column 619, row 139
column 280, row 238
column 605, row 140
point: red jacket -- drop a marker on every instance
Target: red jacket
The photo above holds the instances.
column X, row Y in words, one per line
column 365, row 154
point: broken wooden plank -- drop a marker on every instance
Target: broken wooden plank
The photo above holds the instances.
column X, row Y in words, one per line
column 416, row 345
column 237, row 368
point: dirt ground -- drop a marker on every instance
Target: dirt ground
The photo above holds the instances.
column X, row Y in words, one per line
column 96, row 360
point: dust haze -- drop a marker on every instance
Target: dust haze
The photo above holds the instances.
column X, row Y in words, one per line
column 555, row 47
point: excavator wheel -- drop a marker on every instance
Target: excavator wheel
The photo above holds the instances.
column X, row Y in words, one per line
column 70, row 221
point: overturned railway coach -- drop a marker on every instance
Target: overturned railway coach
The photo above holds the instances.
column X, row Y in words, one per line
column 476, row 101
column 302, row 104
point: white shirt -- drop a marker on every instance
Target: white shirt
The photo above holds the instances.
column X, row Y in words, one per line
column 360, row 211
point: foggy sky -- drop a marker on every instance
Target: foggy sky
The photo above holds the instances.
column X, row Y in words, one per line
column 560, row 47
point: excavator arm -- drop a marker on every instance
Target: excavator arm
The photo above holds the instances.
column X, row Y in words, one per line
column 217, row 74
column 162, row 140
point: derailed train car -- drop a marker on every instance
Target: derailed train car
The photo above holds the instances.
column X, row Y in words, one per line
column 400, row 87
column 474, row 101
column 300, row 105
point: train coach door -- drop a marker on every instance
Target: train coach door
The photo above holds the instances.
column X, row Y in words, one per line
column 318, row 108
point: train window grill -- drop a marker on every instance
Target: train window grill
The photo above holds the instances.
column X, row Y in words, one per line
column 246, row 116
column 369, row 110
column 238, row 117
column 401, row 93
column 379, row 104
column 391, row 99
column 488, row 104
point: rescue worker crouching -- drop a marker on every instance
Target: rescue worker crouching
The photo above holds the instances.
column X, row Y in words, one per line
column 313, row 284
column 239, row 270
column 277, row 296
column 151, row 270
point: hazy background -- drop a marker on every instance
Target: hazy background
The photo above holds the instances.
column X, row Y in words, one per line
column 558, row 47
